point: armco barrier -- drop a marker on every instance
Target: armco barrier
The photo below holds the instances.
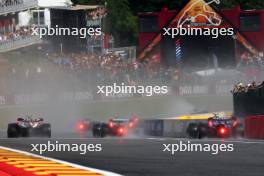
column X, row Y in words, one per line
column 254, row 127
column 167, row 127
column 154, row 127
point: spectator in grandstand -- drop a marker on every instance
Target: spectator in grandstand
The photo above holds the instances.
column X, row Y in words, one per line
column 240, row 87
column 15, row 35
column 109, row 68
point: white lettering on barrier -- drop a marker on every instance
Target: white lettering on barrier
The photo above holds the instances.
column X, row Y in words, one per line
column 30, row 98
column 190, row 90
column 2, row 100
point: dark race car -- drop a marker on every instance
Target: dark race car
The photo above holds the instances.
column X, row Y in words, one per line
column 224, row 127
column 100, row 129
column 221, row 127
column 115, row 127
column 29, row 127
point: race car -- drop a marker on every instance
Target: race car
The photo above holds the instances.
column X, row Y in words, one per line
column 115, row 127
column 216, row 126
column 27, row 127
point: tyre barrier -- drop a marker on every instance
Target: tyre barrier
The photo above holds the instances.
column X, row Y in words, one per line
column 254, row 127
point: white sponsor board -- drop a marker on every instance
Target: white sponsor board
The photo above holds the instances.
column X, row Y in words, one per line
column 54, row 3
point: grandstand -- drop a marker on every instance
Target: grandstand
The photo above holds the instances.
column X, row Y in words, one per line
column 14, row 6
column 17, row 17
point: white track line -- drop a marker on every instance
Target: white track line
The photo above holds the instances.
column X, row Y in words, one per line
column 106, row 173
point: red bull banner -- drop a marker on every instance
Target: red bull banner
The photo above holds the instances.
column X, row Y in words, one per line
column 198, row 18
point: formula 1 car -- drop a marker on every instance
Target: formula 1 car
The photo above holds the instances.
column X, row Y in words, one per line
column 29, row 127
column 115, row 127
column 216, row 126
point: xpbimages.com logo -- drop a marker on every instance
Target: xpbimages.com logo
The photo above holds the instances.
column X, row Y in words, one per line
column 198, row 18
column 61, row 31
column 188, row 146
column 128, row 89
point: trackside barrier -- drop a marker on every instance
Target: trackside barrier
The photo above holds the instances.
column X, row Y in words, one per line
column 154, row 127
column 177, row 126
column 168, row 127
column 254, row 127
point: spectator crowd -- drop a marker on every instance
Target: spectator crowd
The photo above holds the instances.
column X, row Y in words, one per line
column 109, row 68
column 15, row 35
column 243, row 88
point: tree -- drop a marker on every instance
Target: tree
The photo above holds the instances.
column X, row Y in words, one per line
column 121, row 23
column 155, row 5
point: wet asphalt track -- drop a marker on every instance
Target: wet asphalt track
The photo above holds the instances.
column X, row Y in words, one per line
column 144, row 157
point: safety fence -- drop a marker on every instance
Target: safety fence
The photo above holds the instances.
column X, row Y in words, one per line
column 127, row 53
column 19, row 43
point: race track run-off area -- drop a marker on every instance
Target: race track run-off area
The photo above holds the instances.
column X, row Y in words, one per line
column 19, row 163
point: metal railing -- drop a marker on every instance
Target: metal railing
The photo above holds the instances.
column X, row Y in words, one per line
column 129, row 53
column 17, row 5
column 19, row 43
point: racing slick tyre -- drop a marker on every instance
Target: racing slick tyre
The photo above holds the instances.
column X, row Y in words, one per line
column 202, row 130
column 192, row 130
column 46, row 130
column 99, row 130
column 12, row 131
column 98, row 134
column 24, row 132
column 197, row 130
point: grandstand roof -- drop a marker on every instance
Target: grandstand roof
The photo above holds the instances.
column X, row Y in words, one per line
column 76, row 7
